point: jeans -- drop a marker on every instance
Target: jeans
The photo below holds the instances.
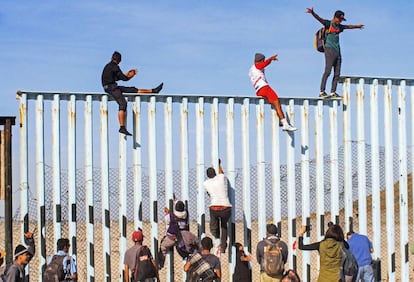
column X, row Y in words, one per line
column 365, row 273
column 332, row 59
column 222, row 217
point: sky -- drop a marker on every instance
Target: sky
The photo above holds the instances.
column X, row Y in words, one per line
column 194, row 47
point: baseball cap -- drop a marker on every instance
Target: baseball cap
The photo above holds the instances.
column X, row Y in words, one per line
column 340, row 15
column 20, row 250
column 258, row 57
column 137, row 236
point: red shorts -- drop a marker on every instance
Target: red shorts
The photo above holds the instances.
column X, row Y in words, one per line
column 268, row 93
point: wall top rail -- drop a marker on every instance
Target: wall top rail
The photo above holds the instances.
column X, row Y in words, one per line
column 4, row 119
column 381, row 80
column 192, row 98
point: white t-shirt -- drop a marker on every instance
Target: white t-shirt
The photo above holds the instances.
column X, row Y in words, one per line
column 216, row 187
column 257, row 78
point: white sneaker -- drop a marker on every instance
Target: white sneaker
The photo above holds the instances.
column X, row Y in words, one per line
column 288, row 127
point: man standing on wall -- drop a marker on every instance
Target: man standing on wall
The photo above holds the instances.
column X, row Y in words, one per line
column 332, row 51
column 220, row 207
column 110, row 75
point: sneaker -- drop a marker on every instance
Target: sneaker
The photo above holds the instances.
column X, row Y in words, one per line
column 323, row 95
column 217, row 252
column 123, row 130
column 158, row 88
column 288, row 127
column 335, row 95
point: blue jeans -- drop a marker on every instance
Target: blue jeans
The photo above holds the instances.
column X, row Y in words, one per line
column 332, row 60
column 365, row 273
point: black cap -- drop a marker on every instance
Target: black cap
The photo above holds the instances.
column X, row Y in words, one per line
column 271, row 229
column 116, row 56
column 340, row 15
column 19, row 250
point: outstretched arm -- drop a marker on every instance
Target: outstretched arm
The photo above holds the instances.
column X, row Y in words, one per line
column 220, row 169
column 350, row 26
column 315, row 15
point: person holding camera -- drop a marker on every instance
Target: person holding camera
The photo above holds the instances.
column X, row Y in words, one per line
column 330, row 252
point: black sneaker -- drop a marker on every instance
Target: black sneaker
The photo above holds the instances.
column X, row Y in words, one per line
column 323, row 95
column 158, row 88
column 123, row 130
column 335, row 95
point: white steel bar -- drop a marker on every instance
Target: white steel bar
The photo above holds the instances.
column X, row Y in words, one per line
column 137, row 162
column 291, row 187
column 184, row 153
column 106, row 226
column 152, row 173
column 40, row 183
column 276, row 206
column 184, row 148
column 320, row 191
column 412, row 142
column 72, row 173
column 247, row 217
column 375, row 171
column 89, row 189
column 122, row 197
column 347, row 139
column 305, row 183
column 214, row 133
column 261, row 185
column 402, row 183
column 334, row 160
column 23, row 164
column 199, row 115
column 23, row 169
column 57, row 216
column 362, row 186
column 168, row 169
column 389, row 181
column 168, row 139
column 231, row 177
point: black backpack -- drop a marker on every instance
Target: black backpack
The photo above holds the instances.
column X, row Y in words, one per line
column 349, row 265
column 55, row 270
column 144, row 265
column 3, row 271
column 319, row 40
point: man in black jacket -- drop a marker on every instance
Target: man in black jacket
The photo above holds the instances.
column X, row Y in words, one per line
column 110, row 75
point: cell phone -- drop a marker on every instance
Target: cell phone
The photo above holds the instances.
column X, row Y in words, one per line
column 308, row 228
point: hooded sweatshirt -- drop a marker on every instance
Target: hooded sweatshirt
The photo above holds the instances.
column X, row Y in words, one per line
column 178, row 221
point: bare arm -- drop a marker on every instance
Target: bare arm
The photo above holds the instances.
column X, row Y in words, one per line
column 126, row 273
column 218, row 272
column 187, row 266
column 246, row 257
column 220, row 169
column 350, row 26
column 315, row 15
